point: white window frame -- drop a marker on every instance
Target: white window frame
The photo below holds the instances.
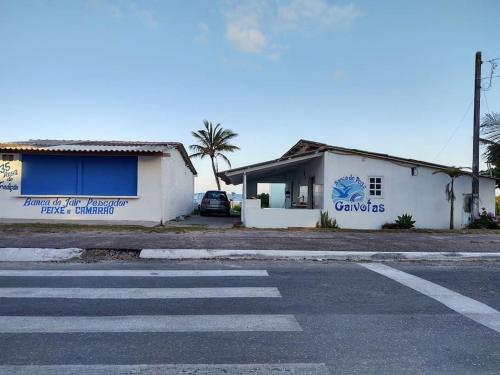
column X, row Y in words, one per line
column 381, row 189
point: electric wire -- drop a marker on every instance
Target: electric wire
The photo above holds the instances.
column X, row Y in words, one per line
column 454, row 131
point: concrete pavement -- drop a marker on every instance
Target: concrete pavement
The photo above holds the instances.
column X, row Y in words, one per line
column 328, row 318
column 75, row 237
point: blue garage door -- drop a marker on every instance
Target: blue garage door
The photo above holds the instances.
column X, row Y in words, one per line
column 79, row 175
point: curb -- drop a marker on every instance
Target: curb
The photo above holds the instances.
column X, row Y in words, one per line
column 315, row 255
column 20, row 254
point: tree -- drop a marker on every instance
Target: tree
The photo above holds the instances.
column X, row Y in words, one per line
column 490, row 129
column 453, row 173
column 213, row 142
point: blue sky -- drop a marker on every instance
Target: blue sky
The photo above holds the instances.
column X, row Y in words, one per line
column 386, row 76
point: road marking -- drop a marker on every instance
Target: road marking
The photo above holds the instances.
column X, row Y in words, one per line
column 133, row 273
column 149, row 323
column 244, row 369
column 475, row 310
column 140, row 293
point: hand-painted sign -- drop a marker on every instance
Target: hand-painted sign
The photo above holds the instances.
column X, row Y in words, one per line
column 76, row 206
column 7, row 175
column 349, row 193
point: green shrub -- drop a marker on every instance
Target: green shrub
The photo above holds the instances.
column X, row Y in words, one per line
column 390, row 226
column 402, row 222
column 484, row 221
column 236, row 208
column 405, row 221
column 264, row 200
column 326, row 221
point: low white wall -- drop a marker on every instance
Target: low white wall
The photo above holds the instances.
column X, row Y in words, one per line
column 256, row 217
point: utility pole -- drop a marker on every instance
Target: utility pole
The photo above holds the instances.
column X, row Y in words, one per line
column 475, row 140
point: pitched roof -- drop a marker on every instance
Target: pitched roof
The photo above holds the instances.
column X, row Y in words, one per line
column 305, row 147
column 88, row 146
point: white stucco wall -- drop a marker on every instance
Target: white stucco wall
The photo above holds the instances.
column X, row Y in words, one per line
column 178, row 186
column 257, row 217
column 422, row 196
column 146, row 208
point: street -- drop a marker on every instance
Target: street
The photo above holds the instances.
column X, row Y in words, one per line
column 249, row 317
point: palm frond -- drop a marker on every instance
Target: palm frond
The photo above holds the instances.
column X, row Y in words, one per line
column 224, row 157
column 490, row 127
column 452, row 172
column 200, row 155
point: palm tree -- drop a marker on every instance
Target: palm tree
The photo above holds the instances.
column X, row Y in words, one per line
column 213, row 141
column 453, row 173
column 490, row 127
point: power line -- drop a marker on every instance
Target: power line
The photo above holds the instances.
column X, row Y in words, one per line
column 455, row 130
column 493, row 66
column 490, row 77
column 486, row 101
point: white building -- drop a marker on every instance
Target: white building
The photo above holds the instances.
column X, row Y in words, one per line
column 360, row 189
column 94, row 181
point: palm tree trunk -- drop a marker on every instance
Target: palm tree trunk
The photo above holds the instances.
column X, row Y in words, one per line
column 215, row 172
column 452, row 205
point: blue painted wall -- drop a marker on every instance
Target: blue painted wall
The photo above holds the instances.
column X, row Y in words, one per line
column 79, row 175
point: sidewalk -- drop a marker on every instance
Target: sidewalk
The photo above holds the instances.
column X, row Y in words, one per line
column 182, row 238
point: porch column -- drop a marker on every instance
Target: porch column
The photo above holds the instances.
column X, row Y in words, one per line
column 244, row 198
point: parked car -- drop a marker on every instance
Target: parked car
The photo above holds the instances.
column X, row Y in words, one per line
column 215, row 201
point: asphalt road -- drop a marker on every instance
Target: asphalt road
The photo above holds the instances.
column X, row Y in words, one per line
column 249, row 318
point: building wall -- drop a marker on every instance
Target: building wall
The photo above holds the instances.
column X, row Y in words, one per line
column 146, row 208
column 178, row 187
column 422, row 196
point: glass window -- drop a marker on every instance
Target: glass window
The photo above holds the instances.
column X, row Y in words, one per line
column 375, row 186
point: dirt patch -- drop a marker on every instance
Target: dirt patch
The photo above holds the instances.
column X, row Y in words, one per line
column 96, row 255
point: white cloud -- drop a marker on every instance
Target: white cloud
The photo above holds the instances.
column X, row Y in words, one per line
column 299, row 13
column 257, row 27
column 124, row 9
column 244, row 34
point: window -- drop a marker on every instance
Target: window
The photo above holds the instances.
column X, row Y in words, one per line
column 216, row 195
column 79, row 175
column 303, row 194
column 7, row 157
column 375, row 186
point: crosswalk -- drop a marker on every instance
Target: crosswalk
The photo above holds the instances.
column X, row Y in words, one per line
column 147, row 324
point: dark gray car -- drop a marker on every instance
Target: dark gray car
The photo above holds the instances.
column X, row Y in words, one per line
column 215, row 201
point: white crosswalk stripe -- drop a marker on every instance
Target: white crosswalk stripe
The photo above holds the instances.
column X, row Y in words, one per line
column 149, row 323
column 224, row 323
column 139, row 293
column 133, row 273
column 239, row 369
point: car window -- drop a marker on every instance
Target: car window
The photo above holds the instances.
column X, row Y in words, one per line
column 216, row 195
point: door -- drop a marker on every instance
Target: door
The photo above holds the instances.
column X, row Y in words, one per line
column 310, row 192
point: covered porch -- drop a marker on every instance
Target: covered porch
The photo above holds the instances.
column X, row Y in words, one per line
column 296, row 191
